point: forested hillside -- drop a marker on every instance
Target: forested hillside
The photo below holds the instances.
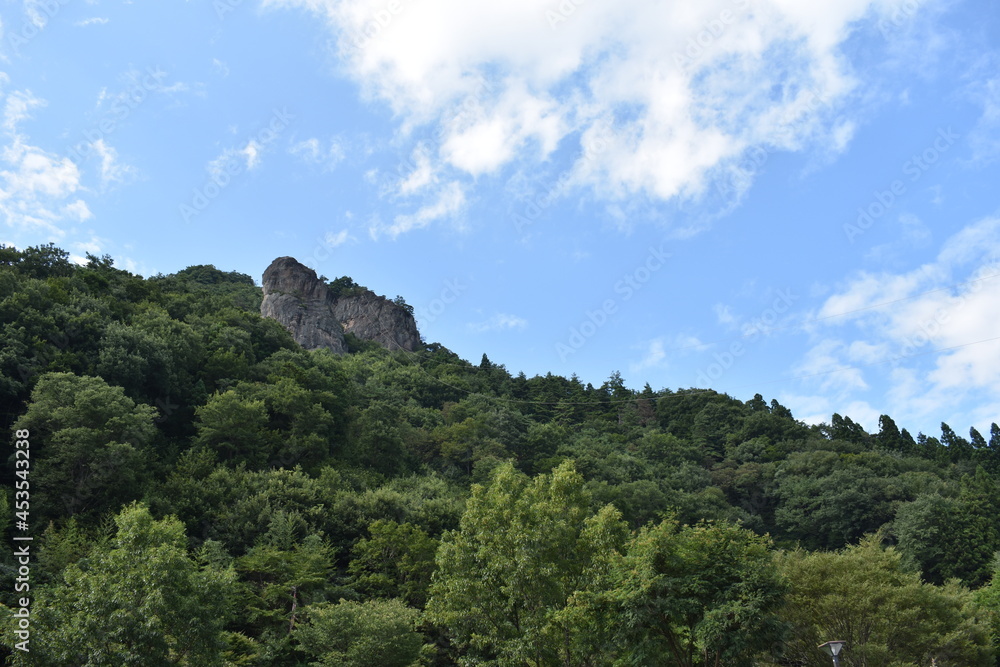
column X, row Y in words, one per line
column 206, row 492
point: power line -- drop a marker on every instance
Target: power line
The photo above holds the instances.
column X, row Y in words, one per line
column 658, row 395
column 807, row 322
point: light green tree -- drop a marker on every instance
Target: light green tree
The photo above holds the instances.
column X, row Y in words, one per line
column 988, row 597
column 506, row 578
column 864, row 595
column 696, row 595
column 142, row 601
column 375, row 633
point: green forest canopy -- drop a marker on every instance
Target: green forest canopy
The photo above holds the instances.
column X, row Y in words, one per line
column 206, row 492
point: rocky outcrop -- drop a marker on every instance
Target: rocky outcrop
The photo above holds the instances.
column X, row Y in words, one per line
column 304, row 305
column 372, row 317
column 294, row 296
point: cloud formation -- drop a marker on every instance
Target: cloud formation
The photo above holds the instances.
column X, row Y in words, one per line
column 933, row 327
column 37, row 188
column 675, row 93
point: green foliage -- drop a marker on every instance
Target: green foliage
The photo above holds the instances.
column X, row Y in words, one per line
column 702, row 595
column 37, row 261
column 236, row 428
column 397, row 560
column 142, row 600
column 524, row 547
column 375, row 633
column 97, row 445
column 831, row 498
column 988, row 598
column 207, row 274
column 401, row 302
column 952, row 537
column 311, row 477
column 344, row 287
column 62, row 547
column 864, row 595
column 281, row 574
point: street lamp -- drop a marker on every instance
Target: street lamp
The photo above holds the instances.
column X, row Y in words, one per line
column 833, row 648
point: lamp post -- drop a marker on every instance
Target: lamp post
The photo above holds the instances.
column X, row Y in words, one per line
column 833, row 648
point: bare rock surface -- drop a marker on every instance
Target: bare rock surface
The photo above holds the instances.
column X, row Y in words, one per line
column 303, row 304
column 372, row 317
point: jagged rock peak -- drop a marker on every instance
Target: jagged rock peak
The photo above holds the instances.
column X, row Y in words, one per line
column 315, row 317
column 296, row 298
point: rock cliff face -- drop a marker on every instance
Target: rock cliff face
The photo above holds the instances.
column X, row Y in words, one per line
column 304, row 305
column 372, row 317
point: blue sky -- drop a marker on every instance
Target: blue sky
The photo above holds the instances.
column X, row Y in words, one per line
column 797, row 199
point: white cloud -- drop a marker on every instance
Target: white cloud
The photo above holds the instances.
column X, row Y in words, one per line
column 810, row 409
column 338, row 239
column 862, row 413
column 824, row 363
column 92, row 246
column 236, row 159
column 36, row 186
column 985, row 137
column 77, row 210
column 252, row 153
column 422, row 174
column 499, row 322
column 923, row 331
column 652, row 112
column 17, row 107
column 864, row 352
column 658, row 351
column 724, row 314
column 96, row 20
column 655, row 356
column 688, row 342
column 910, row 233
column 449, row 202
column 816, row 410
column 112, row 171
column 326, row 155
column 39, row 173
column 308, row 149
column 220, row 67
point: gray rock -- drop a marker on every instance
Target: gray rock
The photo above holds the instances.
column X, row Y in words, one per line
column 304, row 305
column 372, row 317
